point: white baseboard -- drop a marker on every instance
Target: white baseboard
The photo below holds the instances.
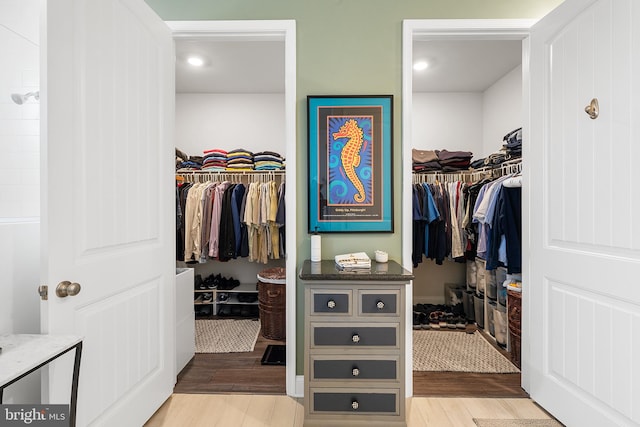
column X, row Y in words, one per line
column 299, row 392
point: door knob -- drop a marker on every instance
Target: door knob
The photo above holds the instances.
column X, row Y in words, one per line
column 67, row 289
column 593, row 109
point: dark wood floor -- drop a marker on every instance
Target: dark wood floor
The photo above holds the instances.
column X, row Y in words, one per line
column 233, row 373
column 462, row 384
column 243, row 373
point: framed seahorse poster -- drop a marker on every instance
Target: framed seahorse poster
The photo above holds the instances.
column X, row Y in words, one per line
column 350, row 163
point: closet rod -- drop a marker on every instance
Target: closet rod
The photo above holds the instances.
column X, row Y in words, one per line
column 505, row 168
column 228, row 175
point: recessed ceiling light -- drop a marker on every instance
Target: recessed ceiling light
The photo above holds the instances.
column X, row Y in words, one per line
column 195, row 61
column 420, row 65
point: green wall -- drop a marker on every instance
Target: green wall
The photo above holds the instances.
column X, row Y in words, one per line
column 348, row 47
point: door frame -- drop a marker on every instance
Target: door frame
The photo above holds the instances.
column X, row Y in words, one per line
column 268, row 30
column 449, row 29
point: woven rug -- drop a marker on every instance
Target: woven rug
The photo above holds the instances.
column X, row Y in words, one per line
column 481, row 422
column 226, row 335
column 448, row 351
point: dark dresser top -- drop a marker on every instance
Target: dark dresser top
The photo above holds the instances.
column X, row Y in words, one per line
column 327, row 270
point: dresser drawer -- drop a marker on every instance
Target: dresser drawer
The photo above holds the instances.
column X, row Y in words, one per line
column 378, row 302
column 358, row 368
column 355, row 401
column 355, row 335
column 330, row 302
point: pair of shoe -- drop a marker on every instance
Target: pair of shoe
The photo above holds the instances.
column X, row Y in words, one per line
column 247, row 297
column 223, row 296
column 204, row 298
column 211, row 282
column 203, row 310
column 198, row 283
column 227, row 284
column 420, row 320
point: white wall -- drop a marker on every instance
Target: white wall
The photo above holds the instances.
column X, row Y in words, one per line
column 502, row 110
column 255, row 122
column 19, row 181
column 451, row 121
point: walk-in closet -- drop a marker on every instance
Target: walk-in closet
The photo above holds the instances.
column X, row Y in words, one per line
column 230, row 199
column 466, row 108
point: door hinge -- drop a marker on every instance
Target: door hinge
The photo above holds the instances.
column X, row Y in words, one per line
column 43, row 290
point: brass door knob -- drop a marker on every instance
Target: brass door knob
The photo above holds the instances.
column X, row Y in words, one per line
column 593, row 109
column 67, row 289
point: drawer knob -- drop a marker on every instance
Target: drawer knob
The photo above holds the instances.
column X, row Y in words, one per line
column 331, row 304
column 355, row 372
column 355, row 404
column 355, row 338
column 380, row 305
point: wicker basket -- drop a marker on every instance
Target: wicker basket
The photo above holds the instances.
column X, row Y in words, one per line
column 272, row 304
column 514, row 310
column 515, row 348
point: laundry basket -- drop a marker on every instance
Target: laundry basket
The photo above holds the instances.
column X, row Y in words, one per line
column 272, row 303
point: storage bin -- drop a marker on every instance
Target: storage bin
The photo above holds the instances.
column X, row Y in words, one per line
column 500, row 324
column 453, row 294
column 480, row 279
column 491, row 307
column 471, row 274
column 502, row 295
column 467, row 306
column 478, row 305
column 490, row 284
column 501, row 276
column 272, row 303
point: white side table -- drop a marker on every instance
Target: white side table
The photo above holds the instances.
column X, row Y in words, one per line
column 25, row 353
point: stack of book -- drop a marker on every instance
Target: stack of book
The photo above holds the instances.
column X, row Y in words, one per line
column 354, row 261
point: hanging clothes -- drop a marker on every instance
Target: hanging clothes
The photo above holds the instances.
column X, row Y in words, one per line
column 462, row 220
column 224, row 220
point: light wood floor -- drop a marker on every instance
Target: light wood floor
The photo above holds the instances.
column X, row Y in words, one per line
column 251, row 410
column 243, row 373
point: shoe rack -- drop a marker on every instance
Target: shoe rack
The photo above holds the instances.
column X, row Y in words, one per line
column 219, row 296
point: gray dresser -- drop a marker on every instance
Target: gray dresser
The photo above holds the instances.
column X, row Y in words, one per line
column 354, row 360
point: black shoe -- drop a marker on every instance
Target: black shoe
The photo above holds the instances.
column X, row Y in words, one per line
column 197, row 281
column 211, row 282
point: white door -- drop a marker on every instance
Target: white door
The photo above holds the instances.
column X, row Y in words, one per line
column 109, row 204
column 582, row 293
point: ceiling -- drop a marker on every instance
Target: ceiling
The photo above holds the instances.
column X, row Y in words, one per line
column 231, row 66
column 464, row 65
column 247, row 66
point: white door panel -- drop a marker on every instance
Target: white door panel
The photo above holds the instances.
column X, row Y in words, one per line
column 109, row 205
column 582, row 302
